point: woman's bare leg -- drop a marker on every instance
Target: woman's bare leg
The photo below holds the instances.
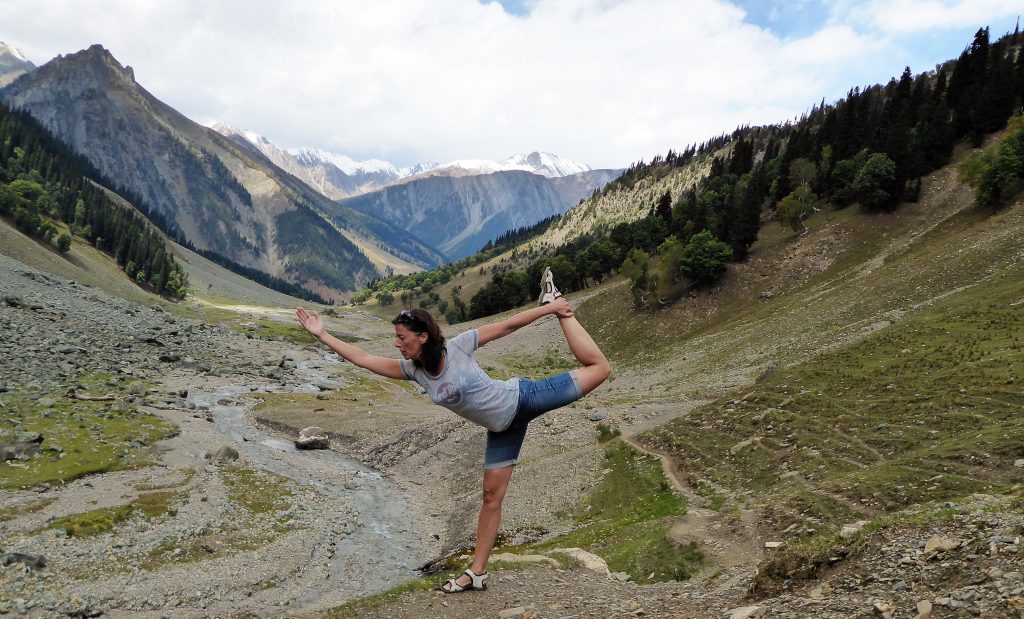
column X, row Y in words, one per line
column 495, row 484
column 596, row 368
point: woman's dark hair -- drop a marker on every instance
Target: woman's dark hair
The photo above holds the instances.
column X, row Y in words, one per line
column 420, row 321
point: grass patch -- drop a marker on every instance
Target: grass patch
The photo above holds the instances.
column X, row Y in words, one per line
column 181, row 477
column 28, row 507
column 923, row 410
column 273, row 330
column 357, row 608
column 260, row 492
column 626, row 519
column 606, row 433
column 264, row 499
column 79, row 437
column 156, row 505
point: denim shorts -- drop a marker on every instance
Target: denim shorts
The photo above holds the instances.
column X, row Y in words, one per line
column 536, row 397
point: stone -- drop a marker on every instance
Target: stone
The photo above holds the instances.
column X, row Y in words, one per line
column 596, row 416
column 849, row 530
column 773, row 545
column 740, row 446
column 747, row 612
column 940, row 544
column 586, row 559
column 1019, row 463
column 18, row 450
column 225, row 454
column 312, row 438
column 924, row 610
column 519, row 612
column 30, row 562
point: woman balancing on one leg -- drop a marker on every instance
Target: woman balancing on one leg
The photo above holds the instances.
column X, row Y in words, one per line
column 452, row 378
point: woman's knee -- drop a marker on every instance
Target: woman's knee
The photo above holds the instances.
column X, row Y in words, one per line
column 493, row 497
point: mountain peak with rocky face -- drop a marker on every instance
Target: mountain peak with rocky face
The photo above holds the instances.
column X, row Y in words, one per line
column 13, row 64
column 216, row 193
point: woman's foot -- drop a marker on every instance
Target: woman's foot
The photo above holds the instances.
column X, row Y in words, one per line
column 548, row 292
column 467, row 581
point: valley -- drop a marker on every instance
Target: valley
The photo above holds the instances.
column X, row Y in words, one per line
column 729, row 393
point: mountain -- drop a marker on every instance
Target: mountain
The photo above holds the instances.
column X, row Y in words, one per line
column 455, row 207
column 214, row 194
column 13, row 64
column 544, row 164
column 338, row 176
column 334, row 176
column 459, row 214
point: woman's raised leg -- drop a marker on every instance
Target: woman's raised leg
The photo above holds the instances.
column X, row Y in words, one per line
column 596, row 368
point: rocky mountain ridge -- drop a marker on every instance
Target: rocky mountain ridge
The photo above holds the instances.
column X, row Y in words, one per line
column 460, row 214
column 212, row 193
column 337, row 176
column 13, row 64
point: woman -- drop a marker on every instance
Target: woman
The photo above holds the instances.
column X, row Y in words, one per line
column 452, row 378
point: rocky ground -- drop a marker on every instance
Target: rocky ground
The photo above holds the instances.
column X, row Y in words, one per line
column 249, row 526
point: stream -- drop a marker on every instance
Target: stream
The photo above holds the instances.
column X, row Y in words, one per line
column 383, row 550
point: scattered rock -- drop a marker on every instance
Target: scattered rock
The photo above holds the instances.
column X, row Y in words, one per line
column 28, row 562
column 312, row 438
column 225, row 454
column 747, row 612
column 924, row 610
column 596, row 416
column 849, row 530
column 586, row 559
column 519, row 612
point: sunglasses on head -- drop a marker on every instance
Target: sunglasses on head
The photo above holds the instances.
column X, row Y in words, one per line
column 405, row 317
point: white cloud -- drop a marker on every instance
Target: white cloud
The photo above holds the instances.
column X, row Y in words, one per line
column 601, row 81
column 908, row 16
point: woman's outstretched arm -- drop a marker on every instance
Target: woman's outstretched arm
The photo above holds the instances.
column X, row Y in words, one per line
column 493, row 331
column 311, row 321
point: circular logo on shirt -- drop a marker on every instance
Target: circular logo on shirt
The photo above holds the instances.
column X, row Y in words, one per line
column 448, row 394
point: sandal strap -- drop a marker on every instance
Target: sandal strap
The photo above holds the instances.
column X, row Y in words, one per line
column 476, row 580
column 453, row 586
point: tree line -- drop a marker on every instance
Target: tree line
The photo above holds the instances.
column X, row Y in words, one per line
column 870, row 148
column 42, row 182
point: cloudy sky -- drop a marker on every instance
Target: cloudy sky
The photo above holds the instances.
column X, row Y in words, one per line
column 603, row 82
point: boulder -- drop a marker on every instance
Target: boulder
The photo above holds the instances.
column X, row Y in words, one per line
column 29, row 562
column 588, row 560
column 312, row 438
column 225, row 454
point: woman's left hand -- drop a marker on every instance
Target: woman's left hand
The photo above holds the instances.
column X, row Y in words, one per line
column 561, row 308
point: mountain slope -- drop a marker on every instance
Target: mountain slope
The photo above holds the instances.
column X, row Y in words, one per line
column 459, row 214
column 12, row 64
column 337, row 176
column 213, row 193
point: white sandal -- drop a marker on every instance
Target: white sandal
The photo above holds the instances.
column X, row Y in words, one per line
column 477, row 582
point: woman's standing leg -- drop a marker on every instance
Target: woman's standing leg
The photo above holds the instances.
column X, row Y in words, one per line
column 596, row 368
column 495, row 484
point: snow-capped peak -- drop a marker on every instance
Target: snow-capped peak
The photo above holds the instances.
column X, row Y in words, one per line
column 545, row 164
column 14, row 51
column 347, row 165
